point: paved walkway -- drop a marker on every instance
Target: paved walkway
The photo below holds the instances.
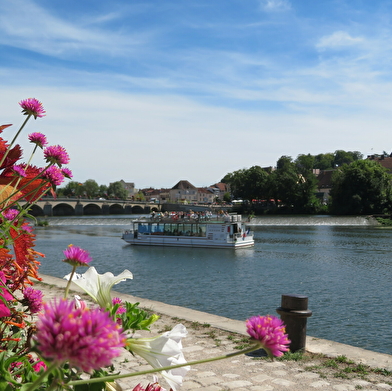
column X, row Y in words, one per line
column 211, row 336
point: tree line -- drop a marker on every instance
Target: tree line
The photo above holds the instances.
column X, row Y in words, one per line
column 358, row 186
column 91, row 189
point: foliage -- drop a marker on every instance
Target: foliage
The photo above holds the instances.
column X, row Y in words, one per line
column 292, row 185
column 117, row 190
column 363, row 187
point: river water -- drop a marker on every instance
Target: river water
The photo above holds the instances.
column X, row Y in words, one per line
column 343, row 265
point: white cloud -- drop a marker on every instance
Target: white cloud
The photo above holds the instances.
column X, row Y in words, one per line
column 275, row 5
column 337, row 40
column 26, row 25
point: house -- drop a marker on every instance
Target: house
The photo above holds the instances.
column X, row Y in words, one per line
column 220, row 189
column 324, row 178
column 183, row 192
column 385, row 161
column 205, row 195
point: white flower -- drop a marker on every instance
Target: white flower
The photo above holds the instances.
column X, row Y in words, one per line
column 163, row 351
column 98, row 286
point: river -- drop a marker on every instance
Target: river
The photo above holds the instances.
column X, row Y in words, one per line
column 343, row 265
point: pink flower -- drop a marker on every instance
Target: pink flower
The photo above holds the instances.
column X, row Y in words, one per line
column 10, row 214
column 56, row 154
column 150, row 387
column 53, row 175
column 4, row 310
column 270, row 331
column 38, row 139
column 88, row 339
column 19, row 170
column 121, row 308
column 39, row 365
column 33, row 299
column 67, row 172
column 32, row 106
column 76, row 256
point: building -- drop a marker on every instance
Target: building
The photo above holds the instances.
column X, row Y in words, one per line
column 183, row 192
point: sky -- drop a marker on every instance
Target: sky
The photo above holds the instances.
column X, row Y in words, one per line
column 157, row 91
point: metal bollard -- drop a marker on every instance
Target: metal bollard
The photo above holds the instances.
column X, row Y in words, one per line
column 294, row 313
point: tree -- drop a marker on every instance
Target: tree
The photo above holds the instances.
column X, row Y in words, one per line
column 91, row 188
column 343, row 157
column 72, row 189
column 254, row 186
column 294, row 184
column 116, row 189
column 362, row 187
column 324, row 161
column 103, row 190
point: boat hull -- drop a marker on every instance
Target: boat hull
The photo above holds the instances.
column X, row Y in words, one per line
column 151, row 240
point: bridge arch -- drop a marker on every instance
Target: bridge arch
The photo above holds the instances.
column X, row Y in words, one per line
column 92, row 209
column 116, row 209
column 35, row 210
column 137, row 209
column 63, row 209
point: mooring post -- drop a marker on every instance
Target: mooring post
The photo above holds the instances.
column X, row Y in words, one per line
column 294, row 313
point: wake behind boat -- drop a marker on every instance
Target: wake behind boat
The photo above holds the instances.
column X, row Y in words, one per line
column 194, row 230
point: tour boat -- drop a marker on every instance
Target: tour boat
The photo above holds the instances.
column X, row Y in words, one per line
column 175, row 230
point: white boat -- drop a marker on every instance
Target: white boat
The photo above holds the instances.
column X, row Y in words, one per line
column 227, row 231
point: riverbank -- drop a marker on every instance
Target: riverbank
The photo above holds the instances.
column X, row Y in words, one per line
column 321, row 367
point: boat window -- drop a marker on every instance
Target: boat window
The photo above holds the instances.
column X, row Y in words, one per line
column 187, row 230
column 200, row 230
column 144, row 228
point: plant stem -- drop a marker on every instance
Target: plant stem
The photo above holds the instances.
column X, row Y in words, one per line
column 114, row 377
column 69, row 282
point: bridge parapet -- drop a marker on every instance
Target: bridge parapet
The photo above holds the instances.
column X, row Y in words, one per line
column 81, row 207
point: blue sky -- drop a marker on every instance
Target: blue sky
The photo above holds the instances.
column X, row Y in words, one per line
column 153, row 92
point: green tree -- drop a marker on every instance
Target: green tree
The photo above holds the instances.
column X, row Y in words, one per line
column 91, row 188
column 254, row 186
column 103, row 191
column 343, row 157
column 362, row 187
column 236, row 181
column 117, row 190
column 72, row 189
column 305, row 162
column 294, row 184
column 324, row 161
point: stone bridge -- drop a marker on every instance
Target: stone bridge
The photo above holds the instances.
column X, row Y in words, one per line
column 89, row 207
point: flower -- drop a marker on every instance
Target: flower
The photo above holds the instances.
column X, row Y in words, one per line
column 67, row 172
column 98, row 286
column 120, row 309
column 88, row 339
column 150, row 387
column 76, row 256
column 54, row 175
column 19, row 170
column 32, row 106
column 33, row 299
column 270, row 332
column 10, row 214
column 38, row 139
column 56, row 154
column 38, row 365
column 163, row 351
column 4, row 310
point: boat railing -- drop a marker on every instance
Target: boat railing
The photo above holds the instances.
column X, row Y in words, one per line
column 178, row 218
